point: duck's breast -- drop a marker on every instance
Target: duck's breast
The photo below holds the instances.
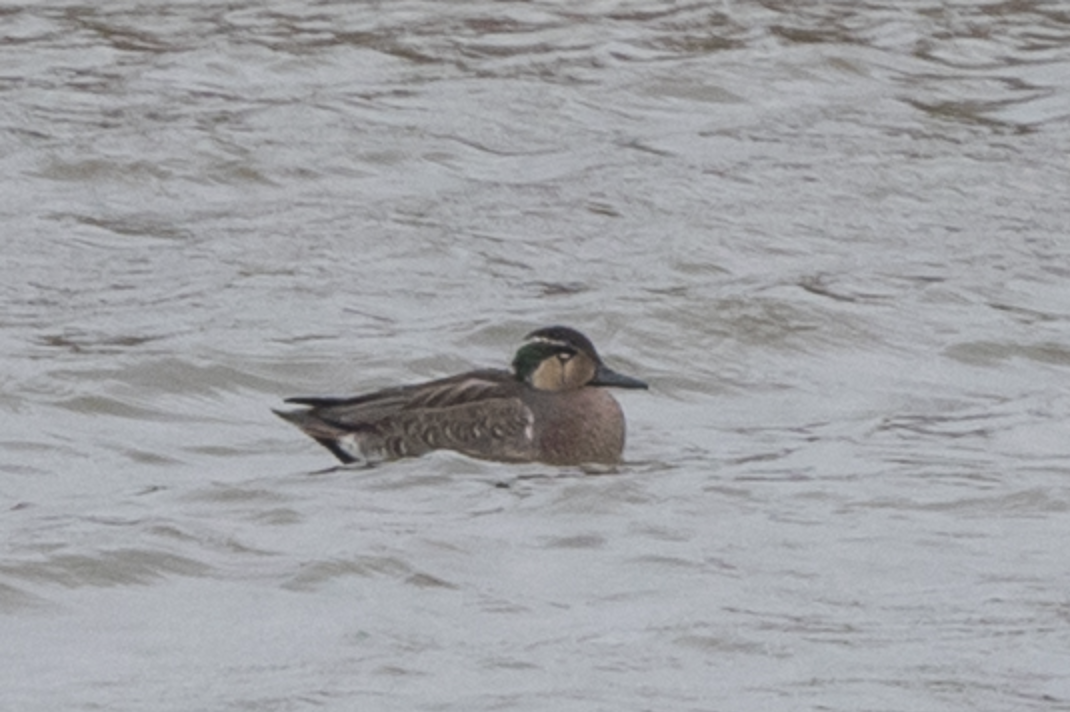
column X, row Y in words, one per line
column 576, row 427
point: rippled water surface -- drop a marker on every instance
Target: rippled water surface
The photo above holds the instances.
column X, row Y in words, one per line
column 833, row 237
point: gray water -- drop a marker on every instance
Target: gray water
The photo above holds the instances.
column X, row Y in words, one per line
column 832, row 236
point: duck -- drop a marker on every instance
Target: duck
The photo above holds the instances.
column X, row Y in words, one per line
column 551, row 408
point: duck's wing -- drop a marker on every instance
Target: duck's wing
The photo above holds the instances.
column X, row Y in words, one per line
column 479, row 413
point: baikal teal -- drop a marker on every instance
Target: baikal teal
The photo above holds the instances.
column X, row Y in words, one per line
column 552, row 407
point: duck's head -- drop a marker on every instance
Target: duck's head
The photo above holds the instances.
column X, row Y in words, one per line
column 558, row 358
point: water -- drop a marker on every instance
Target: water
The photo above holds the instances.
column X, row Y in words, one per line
column 833, row 239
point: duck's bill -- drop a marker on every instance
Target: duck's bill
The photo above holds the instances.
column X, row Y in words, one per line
column 606, row 376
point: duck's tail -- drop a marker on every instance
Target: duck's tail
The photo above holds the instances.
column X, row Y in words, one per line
column 319, row 430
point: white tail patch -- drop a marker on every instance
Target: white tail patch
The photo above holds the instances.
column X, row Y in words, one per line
column 351, row 445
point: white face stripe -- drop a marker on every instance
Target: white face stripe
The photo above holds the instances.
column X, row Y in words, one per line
column 555, row 342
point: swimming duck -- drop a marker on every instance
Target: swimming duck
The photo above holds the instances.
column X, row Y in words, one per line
column 550, row 408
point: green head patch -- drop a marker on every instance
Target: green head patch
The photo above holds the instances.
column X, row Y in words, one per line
column 531, row 354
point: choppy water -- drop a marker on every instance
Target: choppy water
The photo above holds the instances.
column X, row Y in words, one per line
column 833, row 236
